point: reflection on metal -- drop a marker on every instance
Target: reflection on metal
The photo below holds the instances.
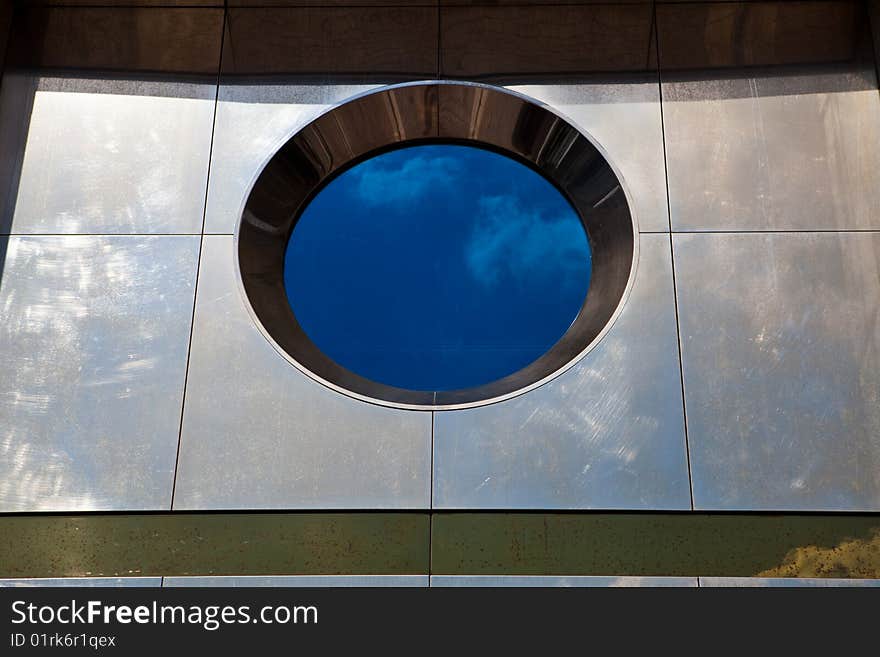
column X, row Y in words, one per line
column 416, row 113
column 302, row 581
column 623, row 113
column 781, row 349
column 654, row 544
column 94, row 341
column 57, row 151
column 770, row 127
column 557, row 545
column 538, row 581
column 81, row 581
column 259, row 434
column 253, row 122
column 826, row 561
column 608, row 433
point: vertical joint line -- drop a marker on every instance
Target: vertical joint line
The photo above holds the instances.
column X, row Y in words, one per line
column 199, row 257
column 439, row 39
column 687, row 444
column 431, row 507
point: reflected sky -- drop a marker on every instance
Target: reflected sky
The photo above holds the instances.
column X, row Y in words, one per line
column 437, row 267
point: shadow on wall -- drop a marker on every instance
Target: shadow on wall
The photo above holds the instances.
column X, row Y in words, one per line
column 87, row 92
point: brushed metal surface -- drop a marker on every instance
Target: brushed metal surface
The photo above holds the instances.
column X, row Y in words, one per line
column 103, row 156
column 781, row 354
column 622, row 113
column 301, row 581
column 714, row 582
column 771, row 115
column 257, row 433
column 774, row 152
column 81, row 581
column 94, row 341
column 253, row 121
column 608, row 433
column 525, row 581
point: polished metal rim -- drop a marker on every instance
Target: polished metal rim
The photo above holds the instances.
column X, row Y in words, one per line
column 418, row 113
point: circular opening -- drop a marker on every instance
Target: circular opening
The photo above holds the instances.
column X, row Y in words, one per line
column 436, row 245
column 437, row 267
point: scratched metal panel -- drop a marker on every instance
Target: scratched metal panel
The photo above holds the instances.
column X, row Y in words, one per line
column 786, row 582
column 258, row 433
column 94, row 341
column 103, row 155
column 623, row 115
column 253, row 121
column 282, row 67
column 607, row 433
column 772, row 116
column 302, row 581
column 781, row 354
column 81, row 581
column 537, row 581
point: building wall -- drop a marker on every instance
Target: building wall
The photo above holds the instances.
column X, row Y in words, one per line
column 741, row 375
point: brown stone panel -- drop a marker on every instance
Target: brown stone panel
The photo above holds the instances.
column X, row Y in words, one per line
column 119, row 39
column 332, row 41
column 695, row 36
column 493, row 42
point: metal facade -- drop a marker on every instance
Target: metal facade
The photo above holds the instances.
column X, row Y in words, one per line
column 742, row 375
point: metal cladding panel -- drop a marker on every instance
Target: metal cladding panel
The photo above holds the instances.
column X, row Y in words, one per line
column 106, row 116
column 283, row 67
column 301, row 581
column 61, row 137
column 259, row 434
column 771, row 115
column 608, row 433
column 623, row 115
column 781, row 349
column 81, row 581
column 538, row 581
column 94, row 343
column 253, row 122
column 787, row 582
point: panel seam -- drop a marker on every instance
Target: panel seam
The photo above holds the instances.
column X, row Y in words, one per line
column 198, row 261
column 687, row 444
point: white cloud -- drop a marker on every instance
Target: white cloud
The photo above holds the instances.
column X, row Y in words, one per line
column 380, row 184
column 509, row 240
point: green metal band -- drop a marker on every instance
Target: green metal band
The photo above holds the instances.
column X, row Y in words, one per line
column 459, row 543
column 213, row 544
column 686, row 544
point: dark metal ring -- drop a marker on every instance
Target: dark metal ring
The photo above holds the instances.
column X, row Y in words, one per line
column 405, row 115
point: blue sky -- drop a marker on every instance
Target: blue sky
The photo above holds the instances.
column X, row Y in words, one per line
column 437, row 267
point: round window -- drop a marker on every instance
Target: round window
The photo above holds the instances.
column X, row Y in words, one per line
column 436, row 246
column 437, row 267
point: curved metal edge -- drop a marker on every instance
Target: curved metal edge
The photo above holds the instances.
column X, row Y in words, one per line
column 456, row 406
